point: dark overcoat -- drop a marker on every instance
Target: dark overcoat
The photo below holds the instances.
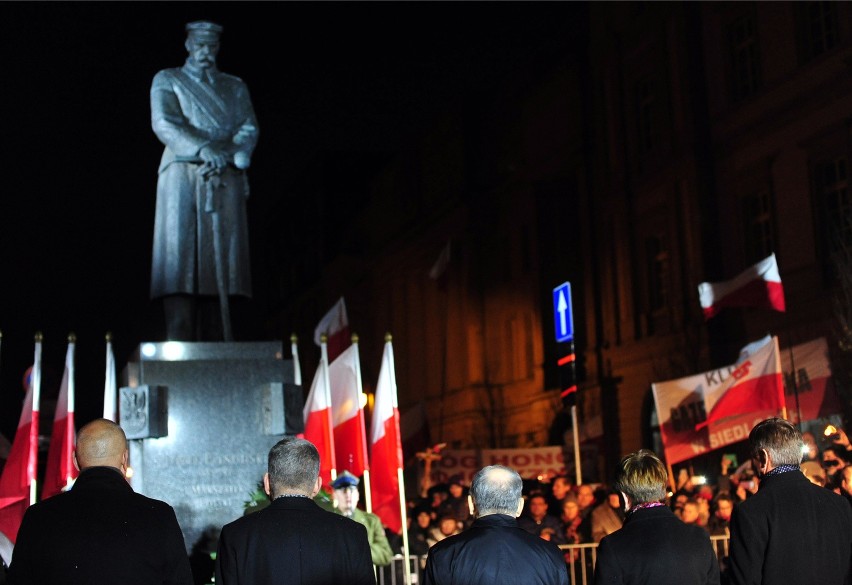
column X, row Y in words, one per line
column 494, row 551
column 654, row 547
column 294, row 542
column 100, row 532
column 791, row 531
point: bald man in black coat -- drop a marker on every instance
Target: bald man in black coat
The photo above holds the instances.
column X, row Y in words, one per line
column 100, row 532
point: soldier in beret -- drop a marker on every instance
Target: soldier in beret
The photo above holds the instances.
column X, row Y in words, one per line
column 346, row 498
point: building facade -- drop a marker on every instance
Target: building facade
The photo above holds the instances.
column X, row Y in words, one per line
column 675, row 143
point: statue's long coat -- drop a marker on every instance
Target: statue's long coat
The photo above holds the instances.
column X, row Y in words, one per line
column 190, row 109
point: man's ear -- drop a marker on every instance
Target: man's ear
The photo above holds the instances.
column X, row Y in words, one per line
column 763, row 459
column 627, row 502
column 266, row 487
column 471, row 506
column 521, row 503
column 76, row 465
column 317, row 487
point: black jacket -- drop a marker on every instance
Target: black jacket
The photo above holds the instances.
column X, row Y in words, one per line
column 294, row 542
column 791, row 531
column 100, row 532
column 654, row 547
column 494, row 551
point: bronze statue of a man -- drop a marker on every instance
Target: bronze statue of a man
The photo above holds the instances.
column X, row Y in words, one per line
column 207, row 123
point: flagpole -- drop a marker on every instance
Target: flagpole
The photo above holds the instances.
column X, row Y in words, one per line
column 399, row 476
column 110, row 410
column 779, row 369
column 327, row 384
column 69, row 427
column 794, row 376
column 359, row 390
column 297, row 369
column 33, row 461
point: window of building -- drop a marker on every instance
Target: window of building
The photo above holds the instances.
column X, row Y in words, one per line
column 758, row 221
column 647, row 117
column 518, row 360
column 657, row 268
column 745, row 57
column 652, row 117
column 831, row 183
column 817, row 28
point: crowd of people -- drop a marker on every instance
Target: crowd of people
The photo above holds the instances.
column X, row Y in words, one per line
column 562, row 512
column 786, row 522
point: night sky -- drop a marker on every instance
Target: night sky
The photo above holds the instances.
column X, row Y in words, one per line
column 80, row 158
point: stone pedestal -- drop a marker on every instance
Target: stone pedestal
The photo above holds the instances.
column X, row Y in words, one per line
column 222, row 407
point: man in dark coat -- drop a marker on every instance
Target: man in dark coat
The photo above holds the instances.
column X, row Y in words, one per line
column 653, row 547
column 494, row 550
column 790, row 531
column 293, row 541
column 100, row 531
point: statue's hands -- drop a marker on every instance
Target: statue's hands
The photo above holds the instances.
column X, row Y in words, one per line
column 213, row 157
column 244, row 134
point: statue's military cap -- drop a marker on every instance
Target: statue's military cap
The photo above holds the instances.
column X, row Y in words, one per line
column 204, row 28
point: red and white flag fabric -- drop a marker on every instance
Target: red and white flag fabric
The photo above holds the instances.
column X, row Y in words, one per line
column 386, row 447
column 756, row 384
column 350, row 435
column 318, row 424
column 60, row 472
column 719, row 407
column 19, row 474
column 110, row 387
column 808, row 382
column 758, row 286
column 335, row 325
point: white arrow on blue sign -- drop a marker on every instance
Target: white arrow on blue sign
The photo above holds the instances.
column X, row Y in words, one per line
column 563, row 313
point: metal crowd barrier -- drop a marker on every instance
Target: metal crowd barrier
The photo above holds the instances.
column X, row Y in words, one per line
column 581, row 559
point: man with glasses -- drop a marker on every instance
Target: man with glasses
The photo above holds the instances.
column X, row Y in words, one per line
column 790, row 531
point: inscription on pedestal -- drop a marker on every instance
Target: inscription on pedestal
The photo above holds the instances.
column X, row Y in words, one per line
column 221, row 425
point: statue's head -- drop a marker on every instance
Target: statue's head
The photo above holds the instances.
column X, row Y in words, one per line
column 202, row 42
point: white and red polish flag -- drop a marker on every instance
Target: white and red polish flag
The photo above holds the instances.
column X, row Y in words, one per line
column 755, row 385
column 757, row 286
column 110, row 388
column 60, row 472
column 335, row 325
column 19, row 474
column 318, row 425
column 350, row 435
column 386, row 446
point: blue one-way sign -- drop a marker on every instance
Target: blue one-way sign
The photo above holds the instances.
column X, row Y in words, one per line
column 562, row 313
